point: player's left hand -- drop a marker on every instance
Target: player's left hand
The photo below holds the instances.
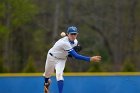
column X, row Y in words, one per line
column 95, row 59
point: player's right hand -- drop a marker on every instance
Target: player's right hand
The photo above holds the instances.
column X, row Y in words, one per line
column 95, row 59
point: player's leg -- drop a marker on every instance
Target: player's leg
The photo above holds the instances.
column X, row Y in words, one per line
column 59, row 74
column 49, row 69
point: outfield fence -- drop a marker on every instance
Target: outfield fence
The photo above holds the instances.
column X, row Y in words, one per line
column 74, row 83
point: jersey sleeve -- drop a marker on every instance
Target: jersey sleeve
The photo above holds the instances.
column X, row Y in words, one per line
column 77, row 56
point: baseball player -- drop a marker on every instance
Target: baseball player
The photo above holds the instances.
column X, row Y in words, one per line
column 57, row 56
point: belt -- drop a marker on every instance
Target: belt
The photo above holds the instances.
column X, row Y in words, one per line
column 55, row 56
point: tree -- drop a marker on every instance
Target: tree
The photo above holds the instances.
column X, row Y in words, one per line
column 30, row 67
column 15, row 14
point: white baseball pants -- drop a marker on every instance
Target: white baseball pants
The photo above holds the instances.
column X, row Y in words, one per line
column 54, row 63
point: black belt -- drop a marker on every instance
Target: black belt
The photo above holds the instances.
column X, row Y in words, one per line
column 55, row 56
column 51, row 54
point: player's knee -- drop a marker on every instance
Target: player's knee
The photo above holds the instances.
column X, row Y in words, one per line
column 59, row 76
column 47, row 75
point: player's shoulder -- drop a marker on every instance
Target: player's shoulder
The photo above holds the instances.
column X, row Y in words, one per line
column 63, row 40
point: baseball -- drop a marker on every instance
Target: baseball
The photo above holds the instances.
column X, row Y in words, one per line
column 63, row 34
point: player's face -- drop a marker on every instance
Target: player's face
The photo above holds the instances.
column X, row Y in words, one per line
column 72, row 36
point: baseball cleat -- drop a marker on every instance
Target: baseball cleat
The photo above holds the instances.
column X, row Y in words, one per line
column 46, row 86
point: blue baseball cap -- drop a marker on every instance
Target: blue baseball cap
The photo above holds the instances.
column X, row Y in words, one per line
column 72, row 29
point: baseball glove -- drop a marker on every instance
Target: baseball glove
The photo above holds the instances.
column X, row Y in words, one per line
column 78, row 48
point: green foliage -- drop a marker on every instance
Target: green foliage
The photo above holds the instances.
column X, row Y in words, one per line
column 2, row 68
column 30, row 67
column 39, row 40
column 14, row 15
column 95, row 67
column 22, row 11
column 2, row 10
column 3, row 31
column 18, row 11
column 128, row 66
column 106, row 28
